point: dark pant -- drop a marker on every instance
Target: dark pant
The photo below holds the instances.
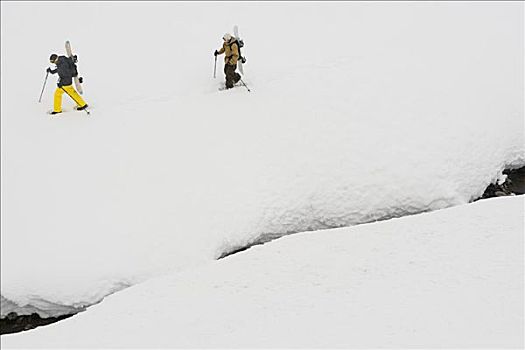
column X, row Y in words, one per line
column 231, row 76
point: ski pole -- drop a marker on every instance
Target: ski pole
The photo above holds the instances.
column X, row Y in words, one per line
column 43, row 87
column 245, row 85
column 215, row 67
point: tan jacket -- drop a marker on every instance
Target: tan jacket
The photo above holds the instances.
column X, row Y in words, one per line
column 232, row 53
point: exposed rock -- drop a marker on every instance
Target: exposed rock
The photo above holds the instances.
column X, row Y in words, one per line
column 14, row 323
column 516, row 179
column 514, row 185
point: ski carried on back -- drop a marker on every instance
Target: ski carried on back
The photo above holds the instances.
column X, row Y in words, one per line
column 74, row 58
column 242, row 59
column 240, row 44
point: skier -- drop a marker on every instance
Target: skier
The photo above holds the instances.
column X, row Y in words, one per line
column 231, row 48
column 66, row 69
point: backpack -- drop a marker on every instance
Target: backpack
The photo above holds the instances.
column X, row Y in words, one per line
column 240, row 43
column 72, row 66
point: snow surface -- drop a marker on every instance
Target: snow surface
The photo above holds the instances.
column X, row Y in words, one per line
column 358, row 112
column 449, row 279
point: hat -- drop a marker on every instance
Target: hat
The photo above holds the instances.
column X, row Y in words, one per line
column 53, row 57
column 227, row 37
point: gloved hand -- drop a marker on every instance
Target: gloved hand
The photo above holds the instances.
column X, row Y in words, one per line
column 48, row 70
column 216, row 53
column 80, row 80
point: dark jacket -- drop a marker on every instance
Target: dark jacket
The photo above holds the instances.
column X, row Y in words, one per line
column 66, row 70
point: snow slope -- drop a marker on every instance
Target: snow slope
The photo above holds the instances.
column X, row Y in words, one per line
column 447, row 279
column 359, row 112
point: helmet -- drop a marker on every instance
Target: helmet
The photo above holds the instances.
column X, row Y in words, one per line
column 53, row 57
column 227, row 37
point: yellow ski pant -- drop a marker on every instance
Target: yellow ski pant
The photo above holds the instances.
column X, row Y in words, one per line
column 57, row 107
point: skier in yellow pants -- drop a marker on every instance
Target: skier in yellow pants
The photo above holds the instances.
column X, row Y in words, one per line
column 66, row 70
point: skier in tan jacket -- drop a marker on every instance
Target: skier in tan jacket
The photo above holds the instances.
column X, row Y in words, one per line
column 231, row 50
